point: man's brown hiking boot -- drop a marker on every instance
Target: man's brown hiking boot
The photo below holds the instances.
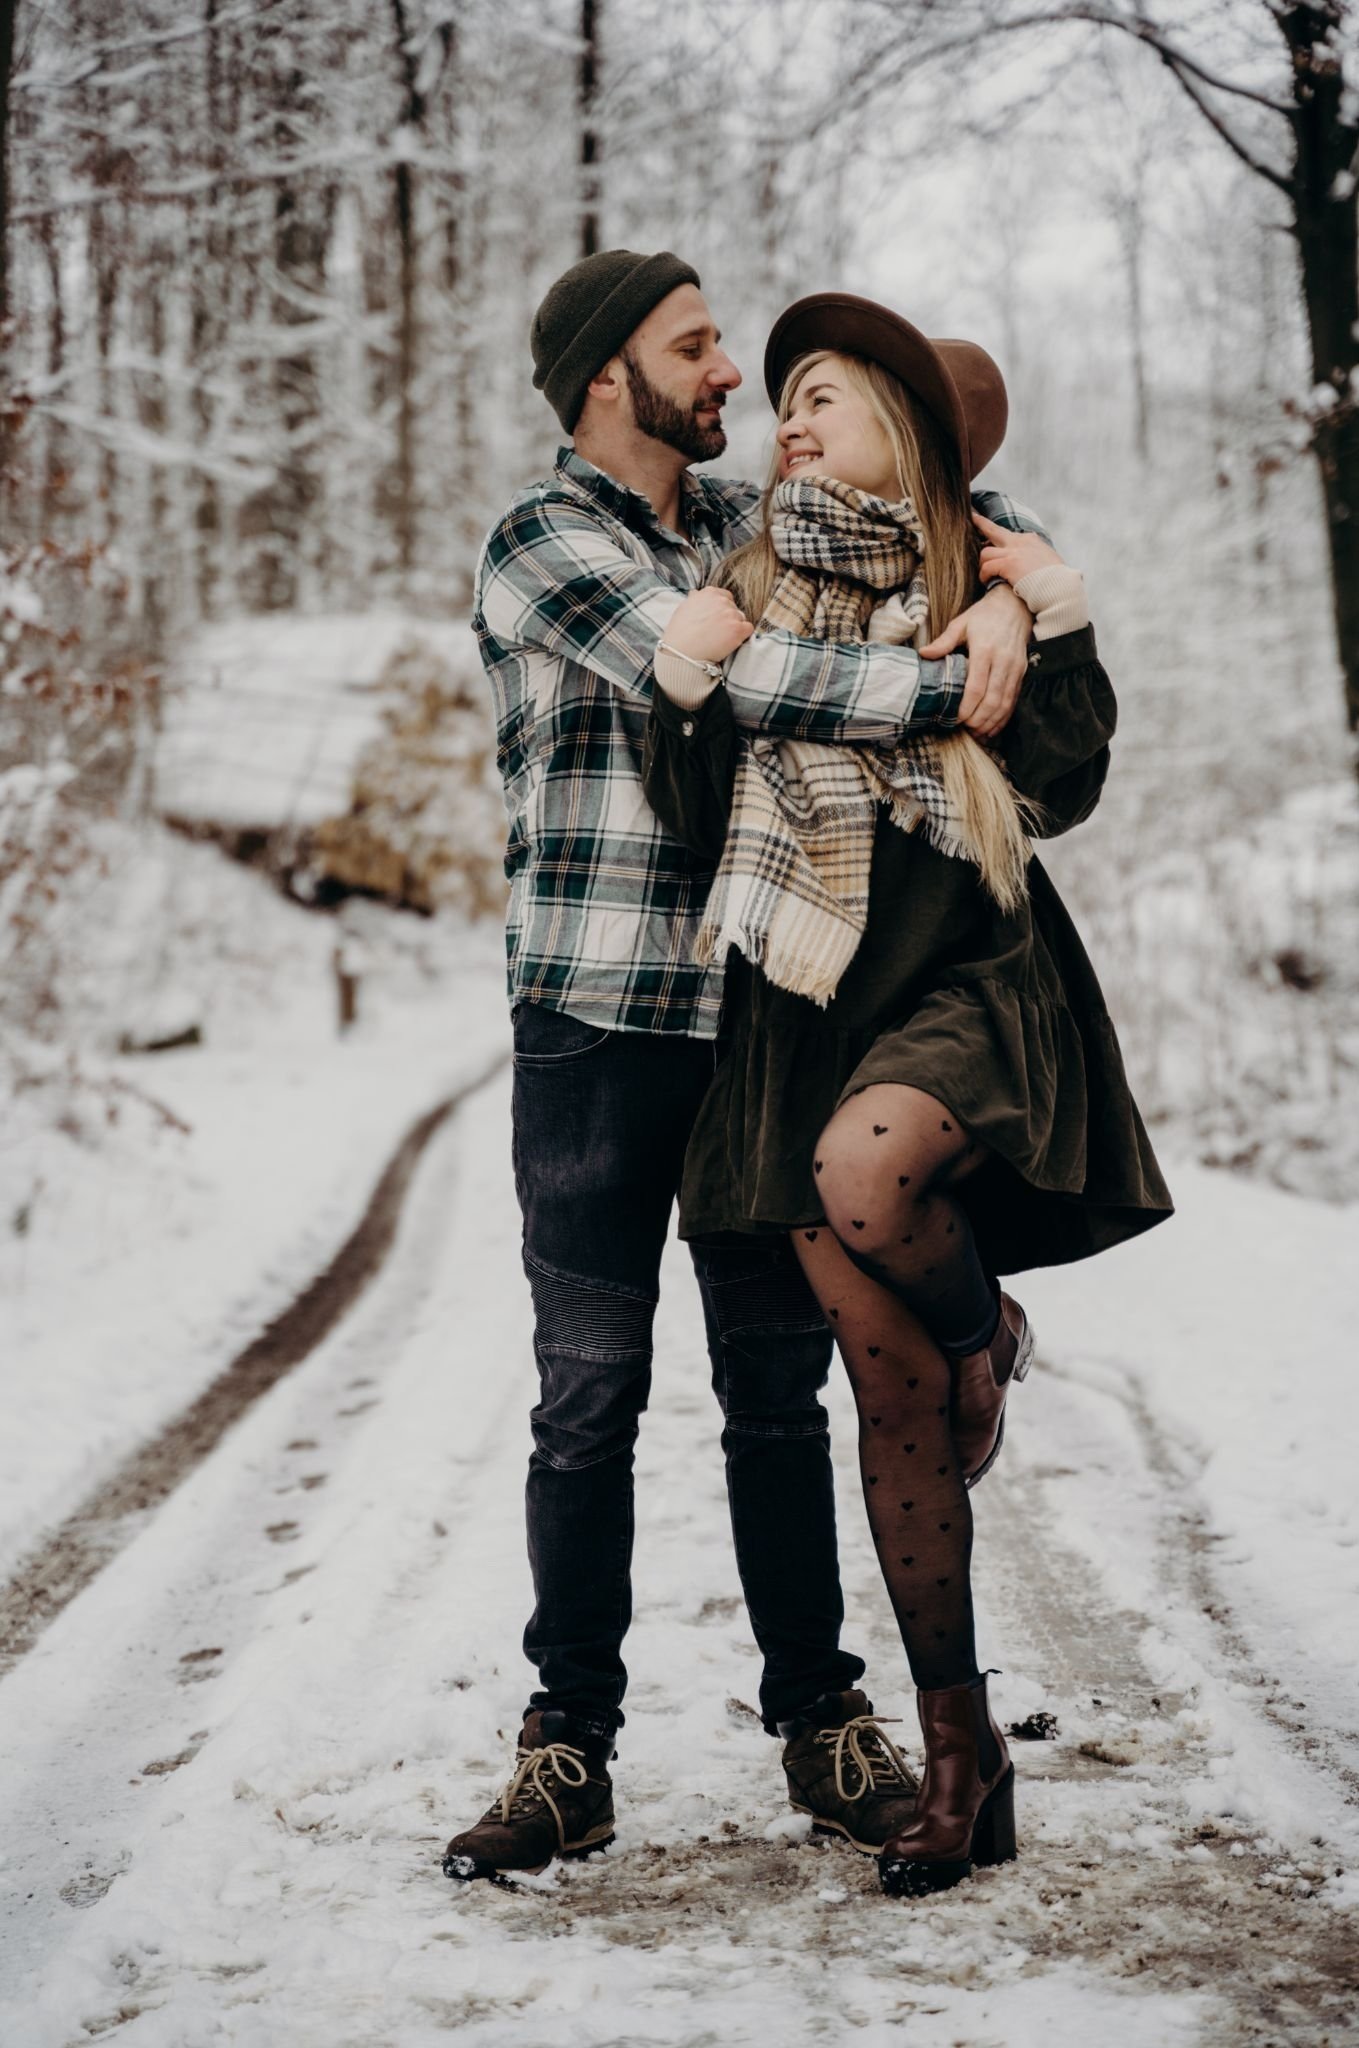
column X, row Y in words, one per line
column 558, row 1802
column 846, row 1773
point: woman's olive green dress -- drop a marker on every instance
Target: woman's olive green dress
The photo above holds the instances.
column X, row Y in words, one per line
column 997, row 1014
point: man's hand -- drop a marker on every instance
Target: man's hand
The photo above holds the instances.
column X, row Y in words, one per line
column 995, row 631
column 707, row 626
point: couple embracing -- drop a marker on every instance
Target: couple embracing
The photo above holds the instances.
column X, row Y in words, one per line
column 780, row 950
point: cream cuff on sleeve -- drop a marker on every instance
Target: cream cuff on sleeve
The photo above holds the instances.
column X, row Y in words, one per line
column 1056, row 597
column 685, row 685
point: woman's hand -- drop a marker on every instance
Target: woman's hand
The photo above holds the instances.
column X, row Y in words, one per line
column 708, row 625
column 1011, row 556
column 995, row 631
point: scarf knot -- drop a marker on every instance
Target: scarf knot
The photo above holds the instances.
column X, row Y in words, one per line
column 831, row 529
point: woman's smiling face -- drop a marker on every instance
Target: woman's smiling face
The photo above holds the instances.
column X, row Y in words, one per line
column 831, row 430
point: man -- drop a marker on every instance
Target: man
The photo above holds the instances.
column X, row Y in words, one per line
column 616, row 1037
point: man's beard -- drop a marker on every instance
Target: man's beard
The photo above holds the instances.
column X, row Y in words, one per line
column 661, row 419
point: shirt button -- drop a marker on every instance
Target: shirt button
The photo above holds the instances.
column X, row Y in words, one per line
column 688, row 728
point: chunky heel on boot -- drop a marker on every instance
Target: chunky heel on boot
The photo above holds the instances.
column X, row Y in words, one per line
column 993, row 1838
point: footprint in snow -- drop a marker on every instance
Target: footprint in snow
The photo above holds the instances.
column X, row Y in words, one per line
column 89, row 1887
column 162, row 1766
column 196, row 1665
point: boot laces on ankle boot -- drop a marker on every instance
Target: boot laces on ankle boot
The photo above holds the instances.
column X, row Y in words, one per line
column 527, row 1787
column 878, row 1761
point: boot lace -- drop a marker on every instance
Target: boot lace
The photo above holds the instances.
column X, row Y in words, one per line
column 527, row 1785
column 879, row 1763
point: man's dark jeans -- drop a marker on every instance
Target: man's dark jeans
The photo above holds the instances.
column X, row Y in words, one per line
column 601, row 1120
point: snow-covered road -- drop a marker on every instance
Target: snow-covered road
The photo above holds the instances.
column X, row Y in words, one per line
column 231, row 1763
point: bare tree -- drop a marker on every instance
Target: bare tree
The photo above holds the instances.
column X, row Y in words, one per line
column 1301, row 140
column 271, row 310
column 1315, row 160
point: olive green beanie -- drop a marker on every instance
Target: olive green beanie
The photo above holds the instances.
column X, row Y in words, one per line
column 588, row 315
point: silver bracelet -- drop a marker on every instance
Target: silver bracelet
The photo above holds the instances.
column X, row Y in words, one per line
column 709, row 668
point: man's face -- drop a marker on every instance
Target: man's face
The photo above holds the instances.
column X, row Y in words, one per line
column 678, row 377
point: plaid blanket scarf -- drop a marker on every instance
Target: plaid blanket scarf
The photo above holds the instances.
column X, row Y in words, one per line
column 791, row 890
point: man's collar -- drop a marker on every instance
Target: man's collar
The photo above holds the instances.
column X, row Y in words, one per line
column 701, row 503
column 627, row 505
column 634, row 508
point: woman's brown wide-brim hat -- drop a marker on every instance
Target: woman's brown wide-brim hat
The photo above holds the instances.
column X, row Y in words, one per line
column 958, row 381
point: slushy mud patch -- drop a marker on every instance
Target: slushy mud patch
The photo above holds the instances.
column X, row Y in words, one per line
column 1275, row 1963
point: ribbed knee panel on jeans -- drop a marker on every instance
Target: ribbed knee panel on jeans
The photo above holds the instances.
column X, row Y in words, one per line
column 593, row 1346
column 768, row 1341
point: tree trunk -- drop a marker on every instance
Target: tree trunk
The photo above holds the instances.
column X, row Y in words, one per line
column 299, row 253
column 1266, row 462
column 208, row 243
column 588, row 101
column 1326, row 225
column 54, row 478
column 9, row 11
column 104, row 241
column 462, row 255
column 403, row 509
column 403, row 191
column 1130, row 214
column 149, row 396
column 415, row 106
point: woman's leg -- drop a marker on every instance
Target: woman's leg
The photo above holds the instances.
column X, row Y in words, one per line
column 918, row 1506
column 886, row 1165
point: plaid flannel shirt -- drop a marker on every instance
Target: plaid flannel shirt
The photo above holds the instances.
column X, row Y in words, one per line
column 575, row 586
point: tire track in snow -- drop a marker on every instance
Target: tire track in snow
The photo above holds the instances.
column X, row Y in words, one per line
column 68, row 1560
column 206, row 1584
column 1185, row 1543
column 1188, row 1558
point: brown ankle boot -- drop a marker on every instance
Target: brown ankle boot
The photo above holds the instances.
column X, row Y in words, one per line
column 558, row 1802
column 965, row 1813
column 981, row 1381
column 846, row 1773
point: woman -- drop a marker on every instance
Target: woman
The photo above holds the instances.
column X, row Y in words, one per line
column 921, row 1083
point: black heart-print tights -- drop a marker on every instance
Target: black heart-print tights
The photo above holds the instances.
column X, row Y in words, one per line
column 886, row 1168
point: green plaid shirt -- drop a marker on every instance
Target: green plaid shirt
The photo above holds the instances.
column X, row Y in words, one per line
column 575, row 586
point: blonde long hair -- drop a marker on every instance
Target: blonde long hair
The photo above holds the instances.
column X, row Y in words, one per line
column 997, row 821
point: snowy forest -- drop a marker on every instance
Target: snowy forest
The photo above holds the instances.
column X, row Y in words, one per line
column 268, row 278
column 267, row 272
